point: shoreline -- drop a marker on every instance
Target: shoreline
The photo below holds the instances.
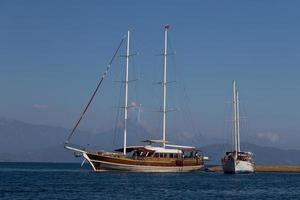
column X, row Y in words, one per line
column 266, row 168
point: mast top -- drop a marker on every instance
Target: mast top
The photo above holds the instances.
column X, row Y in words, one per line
column 167, row 26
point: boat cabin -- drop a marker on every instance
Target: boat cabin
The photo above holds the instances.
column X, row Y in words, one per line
column 160, row 152
column 242, row 155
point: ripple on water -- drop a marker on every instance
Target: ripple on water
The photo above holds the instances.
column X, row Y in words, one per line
column 69, row 181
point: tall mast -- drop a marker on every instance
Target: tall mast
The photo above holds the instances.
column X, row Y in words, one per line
column 234, row 118
column 238, row 120
column 126, row 92
column 165, row 85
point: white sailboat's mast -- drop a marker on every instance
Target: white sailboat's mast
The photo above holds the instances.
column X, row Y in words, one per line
column 234, row 119
column 126, row 93
column 238, row 120
column 165, row 85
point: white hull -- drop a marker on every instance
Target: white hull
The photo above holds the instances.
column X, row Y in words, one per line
column 238, row 167
column 99, row 166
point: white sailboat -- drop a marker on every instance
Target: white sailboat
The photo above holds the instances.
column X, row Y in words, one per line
column 163, row 157
column 237, row 161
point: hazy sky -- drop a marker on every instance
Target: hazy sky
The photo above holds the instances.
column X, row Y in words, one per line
column 53, row 52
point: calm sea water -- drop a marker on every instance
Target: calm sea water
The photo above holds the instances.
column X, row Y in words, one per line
column 69, row 181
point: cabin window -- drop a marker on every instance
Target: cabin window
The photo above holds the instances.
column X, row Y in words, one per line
column 134, row 153
column 156, row 155
column 149, row 154
column 171, row 155
column 162, row 155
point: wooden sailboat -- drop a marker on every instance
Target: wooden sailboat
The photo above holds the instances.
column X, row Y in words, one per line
column 237, row 161
column 157, row 155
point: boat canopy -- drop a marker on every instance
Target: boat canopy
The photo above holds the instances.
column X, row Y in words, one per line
column 155, row 141
column 149, row 148
column 240, row 152
column 163, row 150
column 185, row 148
column 134, row 148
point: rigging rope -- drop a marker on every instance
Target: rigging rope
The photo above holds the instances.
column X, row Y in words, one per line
column 117, row 118
column 96, row 90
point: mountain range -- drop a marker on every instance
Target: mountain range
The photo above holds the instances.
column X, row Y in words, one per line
column 25, row 142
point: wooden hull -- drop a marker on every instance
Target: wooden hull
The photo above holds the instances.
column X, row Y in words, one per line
column 108, row 162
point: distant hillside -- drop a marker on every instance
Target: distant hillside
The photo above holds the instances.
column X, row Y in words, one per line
column 29, row 142
column 262, row 155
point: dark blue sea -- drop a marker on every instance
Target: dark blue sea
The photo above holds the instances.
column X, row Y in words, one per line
column 70, row 181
